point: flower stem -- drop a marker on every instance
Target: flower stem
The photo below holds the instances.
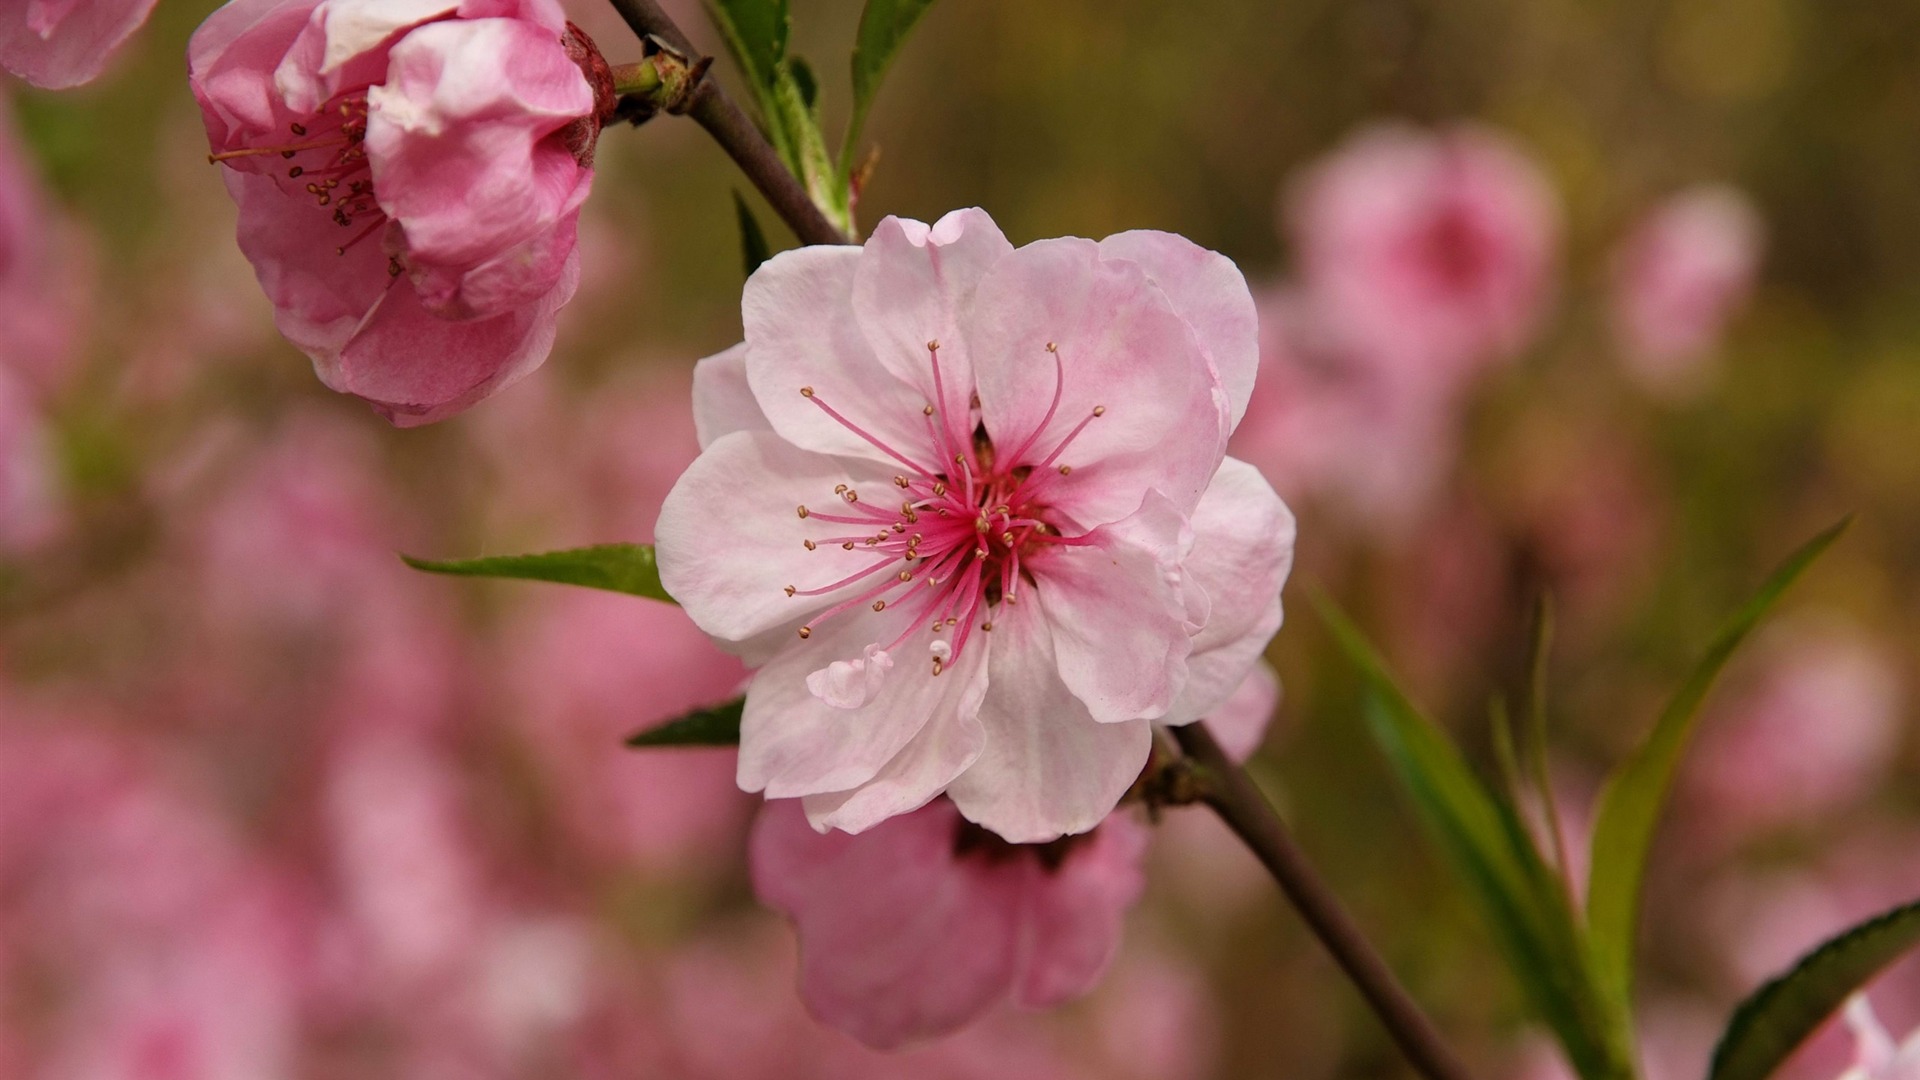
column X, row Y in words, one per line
column 712, row 109
column 1232, row 795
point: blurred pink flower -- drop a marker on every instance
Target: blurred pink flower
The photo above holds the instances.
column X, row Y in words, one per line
column 1813, row 733
column 1037, row 434
column 62, row 43
column 422, row 241
column 1876, row 1055
column 1335, row 419
column 922, row 923
column 1685, row 270
column 1441, row 244
column 592, row 668
column 44, row 289
column 31, row 507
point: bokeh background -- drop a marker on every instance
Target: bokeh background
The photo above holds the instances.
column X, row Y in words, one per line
column 271, row 805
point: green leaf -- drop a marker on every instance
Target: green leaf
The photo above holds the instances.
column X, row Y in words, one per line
column 1523, row 901
column 884, row 26
column 753, row 242
column 1631, row 802
column 717, row 726
column 806, row 149
column 1768, row 1026
column 808, row 85
column 756, row 35
column 622, row 568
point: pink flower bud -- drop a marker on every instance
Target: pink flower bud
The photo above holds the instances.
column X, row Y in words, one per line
column 409, row 176
column 61, row 43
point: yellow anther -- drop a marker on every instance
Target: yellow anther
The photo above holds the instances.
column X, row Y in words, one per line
column 802, row 511
column 1099, row 410
column 879, row 605
column 806, row 391
column 791, row 590
column 806, row 631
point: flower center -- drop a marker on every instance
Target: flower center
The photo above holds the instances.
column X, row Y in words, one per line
column 328, row 151
column 968, row 518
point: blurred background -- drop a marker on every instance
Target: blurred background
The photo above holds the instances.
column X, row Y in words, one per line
column 1614, row 301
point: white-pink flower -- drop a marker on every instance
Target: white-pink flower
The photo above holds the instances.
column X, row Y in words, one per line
column 61, row 43
column 1876, row 1055
column 1684, row 272
column 1442, row 245
column 966, row 506
column 409, row 176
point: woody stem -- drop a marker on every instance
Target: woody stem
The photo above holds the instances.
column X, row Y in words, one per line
column 1231, row 794
column 713, row 110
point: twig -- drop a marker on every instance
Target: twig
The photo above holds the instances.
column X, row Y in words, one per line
column 1246, row 811
column 712, row 109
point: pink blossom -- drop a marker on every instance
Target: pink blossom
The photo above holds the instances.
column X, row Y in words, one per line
column 1365, row 429
column 1684, row 272
column 919, row 925
column 1876, row 1055
column 1814, row 731
column 1016, row 543
column 1442, row 244
column 44, row 288
column 61, row 43
column 31, row 507
column 409, row 176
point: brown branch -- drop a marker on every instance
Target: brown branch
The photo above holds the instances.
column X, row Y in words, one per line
column 1246, row 811
column 712, row 109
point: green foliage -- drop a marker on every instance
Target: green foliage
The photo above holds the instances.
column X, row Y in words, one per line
column 756, row 35
column 717, row 726
column 1768, row 1026
column 754, row 249
column 1525, row 903
column 622, row 568
column 1579, row 975
column 884, row 25
column 1631, row 802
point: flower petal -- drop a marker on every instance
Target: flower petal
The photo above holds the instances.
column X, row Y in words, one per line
column 1240, row 722
column 1048, row 769
column 1243, row 537
column 1075, row 914
column 801, row 332
column 1123, row 349
column 723, row 403
column 911, row 287
column 899, row 940
column 730, row 543
column 793, row 743
column 1208, row 291
column 943, row 750
column 1117, row 612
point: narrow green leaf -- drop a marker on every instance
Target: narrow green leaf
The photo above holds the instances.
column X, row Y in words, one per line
column 1767, row 1027
column 622, row 568
column 808, row 85
column 756, row 35
column 717, row 726
column 753, row 243
column 1539, row 651
column 1522, row 901
column 1631, row 802
column 884, row 25
column 809, row 158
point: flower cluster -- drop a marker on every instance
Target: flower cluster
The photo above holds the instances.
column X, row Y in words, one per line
column 409, row 177
column 965, row 507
